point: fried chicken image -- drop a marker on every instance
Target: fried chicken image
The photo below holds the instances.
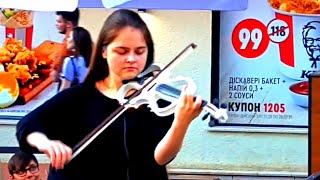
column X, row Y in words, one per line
column 5, row 55
column 297, row 6
column 21, row 72
column 14, row 45
column 28, row 58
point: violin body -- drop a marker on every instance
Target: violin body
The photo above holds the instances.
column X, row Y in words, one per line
column 169, row 93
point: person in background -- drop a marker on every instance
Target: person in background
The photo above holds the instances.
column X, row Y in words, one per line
column 65, row 22
column 138, row 144
column 75, row 67
column 23, row 166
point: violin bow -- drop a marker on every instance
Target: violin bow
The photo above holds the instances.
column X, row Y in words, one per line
column 121, row 109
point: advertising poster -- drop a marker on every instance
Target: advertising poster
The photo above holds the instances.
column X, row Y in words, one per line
column 267, row 53
column 28, row 40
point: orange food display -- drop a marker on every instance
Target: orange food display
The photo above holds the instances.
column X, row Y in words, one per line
column 46, row 50
column 15, row 18
column 21, row 72
column 29, row 68
column 5, row 55
column 18, row 60
column 9, row 89
column 297, row 6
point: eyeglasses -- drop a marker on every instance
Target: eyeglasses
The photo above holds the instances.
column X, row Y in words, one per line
column 312, row 40
column 32, row 169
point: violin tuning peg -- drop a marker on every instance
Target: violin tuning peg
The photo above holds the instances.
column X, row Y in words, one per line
column 224, row 106
column 205, row 116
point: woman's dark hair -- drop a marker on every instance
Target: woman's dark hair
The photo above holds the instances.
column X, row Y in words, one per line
column 20, row 160
column 83, row 43
column 118, row 20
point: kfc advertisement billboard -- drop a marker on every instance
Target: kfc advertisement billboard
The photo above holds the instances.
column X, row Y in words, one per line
column 266, row 59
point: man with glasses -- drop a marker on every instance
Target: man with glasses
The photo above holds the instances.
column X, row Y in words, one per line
column 23, row 166
column 311, row 41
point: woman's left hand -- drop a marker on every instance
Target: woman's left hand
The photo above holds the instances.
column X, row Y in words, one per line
column 188, row 107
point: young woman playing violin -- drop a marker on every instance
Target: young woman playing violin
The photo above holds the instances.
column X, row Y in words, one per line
column 139, row 144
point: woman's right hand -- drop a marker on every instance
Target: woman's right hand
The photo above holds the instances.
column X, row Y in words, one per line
column 58, row 152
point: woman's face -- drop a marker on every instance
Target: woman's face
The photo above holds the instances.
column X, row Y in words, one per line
column 70, row 42
column 31, row 172
column 127, row 54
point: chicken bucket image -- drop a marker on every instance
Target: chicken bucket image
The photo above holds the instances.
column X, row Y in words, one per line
column 23, row 34
column 12, row 18
column 296, row 30
column 18, row 24
column 300, row 52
